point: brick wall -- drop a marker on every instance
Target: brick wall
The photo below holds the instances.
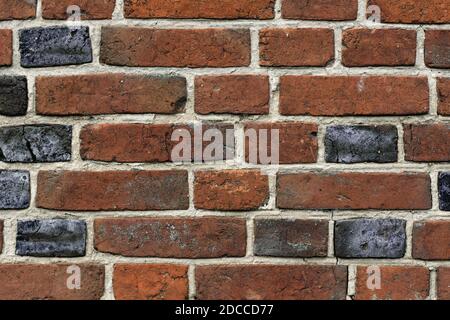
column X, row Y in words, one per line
column 89, row 186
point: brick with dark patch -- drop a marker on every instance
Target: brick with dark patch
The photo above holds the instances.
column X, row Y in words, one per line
column 13, row 96
column 14, row 189
column 444, row 191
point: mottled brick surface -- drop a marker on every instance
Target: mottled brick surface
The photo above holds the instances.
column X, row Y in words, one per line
column 13, row 95
column 14, row 189
column 444, row 190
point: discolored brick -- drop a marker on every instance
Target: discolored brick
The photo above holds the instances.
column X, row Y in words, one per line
column 13, row 96
column 14, row 189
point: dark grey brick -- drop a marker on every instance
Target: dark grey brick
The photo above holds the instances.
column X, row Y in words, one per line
column 13, row 96
column 36, row 143
column 14, row 189
column 353, row 144
column 55, row 46
column 444, row 191
column 51, row 238
column 370, row 238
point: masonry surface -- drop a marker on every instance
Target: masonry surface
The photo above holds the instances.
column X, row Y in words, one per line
column 87, row 174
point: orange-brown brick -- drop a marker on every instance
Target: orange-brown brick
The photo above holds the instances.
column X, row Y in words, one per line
column 17, row 9
column 337, row 10
column 271, row 282
column 437, row 48
column 5, row 47
column 344, row 96
column 443, row 283
column 397, row 283
column 431, row 240
column 296, row 47
column 194, row 9
column 235, row 94
column 150, row 282
column 89, row 9
column 149, row 47
column 443, row 88
column 427, row 142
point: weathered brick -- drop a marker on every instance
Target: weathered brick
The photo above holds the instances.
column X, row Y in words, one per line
column 13, row 96
column 291, row 238
column 431, row 240
column 112, row 190
column 89, row 9
column 166, row 237
column 355, row 144
column 51, row 238
column 437, row 48
column 235, row 94
column 413, row 11
column 230, row 190
column 54, row 46
column 5, row 47
column 296, row 47
column 443, row 280
column 109, row 93
column 352, row 190
column 370, row 238
column 351, row 95
column 147, row 47
column 443, row 88
column 200, row 9
column 271, row 282
column 335, row 10
column 14, row 189
column 397, row 283
column 150, row 282
column 427, row 142
column 36, row 143
column 378, row 47
column 1, row 236
column 50, row 282
column 297, row 141
column 444, row 191
column 17, row 9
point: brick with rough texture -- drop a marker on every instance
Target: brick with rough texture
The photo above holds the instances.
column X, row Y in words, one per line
column 49, row 281
column 51, row 238
column 443, row 89
column 352, row 190
column 150, row 282
column 271, row 282
column 397, row 283
column 89, row 9
column 112, row 190
column 443, row 283
column 54, row 46
column 427, row 142
column 378, row 47
column 437, row 48
column 234, row 94
column 14, row 189
column 200, row 9
column 232, row 190
column 149, row 47
column 6, row 50
column 13, row 96
column 36, row 143
column 431, row 240
column 334, row 10
column 1, row 236
column 109, row 93
column 17, row 9
column 355, row 144
column 444, row 191
column 291, row 238
column 353, row 96
column 166, row 237
column 370, row 238
column 296, row 47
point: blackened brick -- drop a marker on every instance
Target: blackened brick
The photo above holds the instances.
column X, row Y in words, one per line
column 444, row 191
column 14, row 189
column 13, row 96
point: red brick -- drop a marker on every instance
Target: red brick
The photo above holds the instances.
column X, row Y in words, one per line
column 49, row 282
column 296, row 47
column 112, row 190
column 149, row 47
column 195, row 9
column 17, row 9
column 167, row 237
column 397, row 283
column 437, row 48
column 431, row 240
column 5, row 47
column 353, row 190
column 427, row 142
column 297, row 141
column 89, row 9
column 271, row 282
column 443, row 87
column 378, row 47
column 150, row 282
column 356, row 96
column 413, row 11
column 1, row 236
column 337, row 10
column 108, row 94
column 235, row 94
column 230, row 190
column 443, row 283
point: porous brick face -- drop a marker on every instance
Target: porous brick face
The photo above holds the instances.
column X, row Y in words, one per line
column 225, row 149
